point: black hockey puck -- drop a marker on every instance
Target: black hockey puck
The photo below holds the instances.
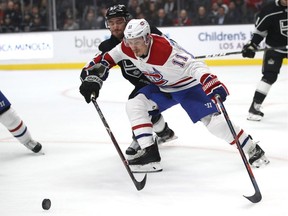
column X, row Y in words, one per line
column 46, row 204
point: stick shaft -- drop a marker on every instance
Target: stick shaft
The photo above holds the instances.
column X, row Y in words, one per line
column 138, row 185
column 257, row 196
column 235, row 53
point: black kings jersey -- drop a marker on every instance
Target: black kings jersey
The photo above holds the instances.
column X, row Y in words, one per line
column 272, row 24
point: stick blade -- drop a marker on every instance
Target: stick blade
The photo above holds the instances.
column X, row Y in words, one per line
column 140, row 185
column 257, row 197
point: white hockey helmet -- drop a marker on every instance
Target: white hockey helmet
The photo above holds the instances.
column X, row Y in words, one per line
column 137, row 28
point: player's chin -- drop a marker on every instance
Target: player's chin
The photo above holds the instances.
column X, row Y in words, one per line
column 137, row 53
column 118, row 34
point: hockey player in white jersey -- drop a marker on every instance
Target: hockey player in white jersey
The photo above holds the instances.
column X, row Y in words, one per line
column 16, row 126
column 117, row 16
column 177, row 79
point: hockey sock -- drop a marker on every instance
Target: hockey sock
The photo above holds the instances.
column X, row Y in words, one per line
column 219, row 128
column 261, row 92
column 137, row 111
column 159, row 125
column 15, row 125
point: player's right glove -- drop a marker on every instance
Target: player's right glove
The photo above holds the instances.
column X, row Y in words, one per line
column 212, row 87
column 249, row 50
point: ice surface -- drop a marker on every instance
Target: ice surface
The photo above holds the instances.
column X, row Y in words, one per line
column 82, row 173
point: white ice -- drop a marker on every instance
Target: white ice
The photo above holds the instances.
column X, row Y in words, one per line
column 82, row 174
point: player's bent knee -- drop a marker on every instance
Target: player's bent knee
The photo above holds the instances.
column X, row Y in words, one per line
column 217, row 125
column 269, row 77
column 135, row 104
column 140, row 102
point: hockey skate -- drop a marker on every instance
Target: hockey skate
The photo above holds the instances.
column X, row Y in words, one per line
column 166, row 135
column 149, row 161
column 34, row 146
column 254, row 112
column 134, row 150
column 257, row 157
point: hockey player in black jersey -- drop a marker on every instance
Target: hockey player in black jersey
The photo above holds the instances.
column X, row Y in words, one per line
column 271, row 24
column 117, row 17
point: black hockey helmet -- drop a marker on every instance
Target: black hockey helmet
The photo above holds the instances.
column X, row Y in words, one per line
column 117, row 11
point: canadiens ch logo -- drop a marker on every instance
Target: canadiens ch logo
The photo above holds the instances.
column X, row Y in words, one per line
column 155, row 77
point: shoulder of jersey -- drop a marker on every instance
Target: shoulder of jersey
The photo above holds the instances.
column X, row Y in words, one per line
column 108, row 44
column 160, row 51
column 270, row 8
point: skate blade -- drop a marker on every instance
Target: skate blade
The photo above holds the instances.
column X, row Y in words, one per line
column 161, row 141
column 147, row 168
column 261, row 162
column 252, row 117
column 38, row 153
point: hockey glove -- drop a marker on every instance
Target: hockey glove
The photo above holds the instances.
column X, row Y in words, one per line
column 249, row 50
column 100, row 69
column 212, row 87
column 91, row 85
column 92, row 77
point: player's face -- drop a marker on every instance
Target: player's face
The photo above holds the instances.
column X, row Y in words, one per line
column 117, row 26
column 284, row 2
column 138, row 46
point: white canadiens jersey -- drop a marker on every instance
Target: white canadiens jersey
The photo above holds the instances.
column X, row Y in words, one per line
column 167, row 65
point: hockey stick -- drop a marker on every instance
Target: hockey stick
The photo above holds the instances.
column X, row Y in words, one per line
column 236, row 52
column 257, row 196
column 139, row 185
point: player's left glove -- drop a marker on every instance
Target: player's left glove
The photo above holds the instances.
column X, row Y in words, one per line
column 91, row 85
column 212, row 87
column 249, row 50
column 92, row 77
